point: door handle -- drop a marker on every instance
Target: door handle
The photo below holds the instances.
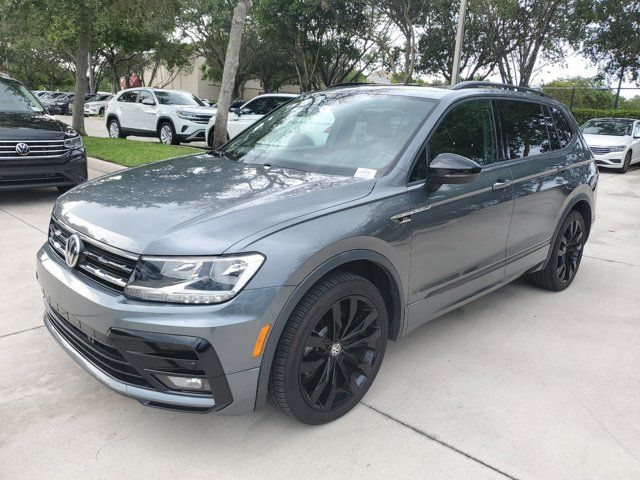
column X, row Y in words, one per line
column 501, row 183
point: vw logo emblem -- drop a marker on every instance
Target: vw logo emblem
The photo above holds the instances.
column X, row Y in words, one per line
column 335, row 349
column 22, row 149
column 73, row 250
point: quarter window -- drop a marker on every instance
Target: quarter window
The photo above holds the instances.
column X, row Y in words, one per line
column 524, row 129
column 562, row 125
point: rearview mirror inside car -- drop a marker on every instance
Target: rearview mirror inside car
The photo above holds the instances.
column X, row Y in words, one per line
column 450, row 168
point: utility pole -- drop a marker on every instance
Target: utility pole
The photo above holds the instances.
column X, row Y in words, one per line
column 459, row 36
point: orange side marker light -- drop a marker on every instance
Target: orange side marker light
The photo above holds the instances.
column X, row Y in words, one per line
column 262, row 335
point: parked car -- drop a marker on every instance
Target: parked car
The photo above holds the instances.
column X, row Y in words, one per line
column 171, row 115
column 97, row 105
column 58, row 102
column 250, row 112
column 36, row 150
column 280, row 265
column 614, row 142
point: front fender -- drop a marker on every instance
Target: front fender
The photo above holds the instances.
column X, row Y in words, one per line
column 308, row 275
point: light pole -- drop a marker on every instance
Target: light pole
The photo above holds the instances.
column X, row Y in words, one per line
column 459, row 36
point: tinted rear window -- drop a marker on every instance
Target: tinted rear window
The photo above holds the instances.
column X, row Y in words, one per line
column 563, row 127
column 524, row 128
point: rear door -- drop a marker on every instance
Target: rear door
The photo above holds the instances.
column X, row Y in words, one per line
column 530, row 144
column 459, row 232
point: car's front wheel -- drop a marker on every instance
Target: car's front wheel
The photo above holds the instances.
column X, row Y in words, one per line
column 330, row 350
column 565, row 259
column 627, row 162
column 167, row 134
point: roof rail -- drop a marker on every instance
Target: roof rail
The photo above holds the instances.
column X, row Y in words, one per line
column 504, row 86
column 352, row 84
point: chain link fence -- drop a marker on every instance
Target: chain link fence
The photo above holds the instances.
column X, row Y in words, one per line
column 589, row 102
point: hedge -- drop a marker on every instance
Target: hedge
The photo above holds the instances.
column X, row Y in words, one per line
column 584, row 114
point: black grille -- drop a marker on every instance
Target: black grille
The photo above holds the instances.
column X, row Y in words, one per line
column 107, row 268
column 202, row 118
column 104, row 356
column 37, row 149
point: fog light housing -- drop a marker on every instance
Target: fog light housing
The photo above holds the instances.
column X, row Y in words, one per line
column 183, row 383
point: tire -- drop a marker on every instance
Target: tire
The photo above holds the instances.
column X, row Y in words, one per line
column 627, row 162
column 210, row 138
column 114, row 129
column 167, row 134
column 562, row 267
column 330, row 350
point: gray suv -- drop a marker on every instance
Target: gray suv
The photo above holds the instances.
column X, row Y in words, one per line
column 281, row 264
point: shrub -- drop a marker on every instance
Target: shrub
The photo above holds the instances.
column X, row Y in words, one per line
column 584, row 114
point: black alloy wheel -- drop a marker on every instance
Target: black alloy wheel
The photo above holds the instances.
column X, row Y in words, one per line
column 339, row 353
column 563, row 265
column 570, row 251
column 331, row 349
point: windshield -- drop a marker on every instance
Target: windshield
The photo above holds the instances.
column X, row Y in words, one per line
column 339, row 132
column 618, row 128
column 166, row 97
column 14, row 97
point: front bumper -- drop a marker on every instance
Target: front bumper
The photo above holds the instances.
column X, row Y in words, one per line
column 611, row 160
column 190, row 131
column 109, row 319
column 67, row 170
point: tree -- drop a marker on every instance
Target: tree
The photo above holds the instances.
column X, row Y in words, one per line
column 528, row 30
column 580, row 92
column 437, row 42
column 406, row 15
column 325, row 42
column 229, row 73
column 613, row 39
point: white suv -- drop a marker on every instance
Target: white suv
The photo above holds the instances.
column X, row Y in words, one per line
column 171, row 115
column 249, row 113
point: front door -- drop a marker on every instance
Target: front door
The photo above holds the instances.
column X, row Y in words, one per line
column 145, row 116
column 459, row 232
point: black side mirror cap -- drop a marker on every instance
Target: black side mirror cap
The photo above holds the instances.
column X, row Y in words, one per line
column 450, row 168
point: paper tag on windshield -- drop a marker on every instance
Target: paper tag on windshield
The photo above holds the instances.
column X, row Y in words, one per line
column 367, row 173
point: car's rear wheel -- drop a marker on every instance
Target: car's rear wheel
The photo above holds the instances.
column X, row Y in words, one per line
column 331, row 349
column 114, row 129
column 167, row 134
column 565, row 259
column 627, row 162
column 210, row 138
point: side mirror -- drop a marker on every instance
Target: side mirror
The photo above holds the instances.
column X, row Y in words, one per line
column 449, row 168
column 148, row 101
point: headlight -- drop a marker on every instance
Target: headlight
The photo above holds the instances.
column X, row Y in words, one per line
column 192, row 279
column 73, row 142
column 617, row 149
column 187, row 115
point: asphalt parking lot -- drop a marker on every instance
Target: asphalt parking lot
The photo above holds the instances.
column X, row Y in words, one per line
column 523, row 384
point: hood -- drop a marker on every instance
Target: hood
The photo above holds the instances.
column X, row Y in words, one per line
column 605, row 140
column 30, row 126
column 198, row 205
column 193, row 108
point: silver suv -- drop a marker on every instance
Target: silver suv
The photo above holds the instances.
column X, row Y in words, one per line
column 280, row 265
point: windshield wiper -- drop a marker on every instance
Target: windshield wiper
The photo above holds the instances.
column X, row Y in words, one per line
column 217, row 153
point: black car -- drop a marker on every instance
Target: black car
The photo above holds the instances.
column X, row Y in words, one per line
column 59, row 104
column 36, row 150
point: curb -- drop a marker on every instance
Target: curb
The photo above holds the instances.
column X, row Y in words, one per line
column 102, row 166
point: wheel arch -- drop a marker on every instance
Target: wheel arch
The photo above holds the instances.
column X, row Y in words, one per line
column 581, row 202
column 162, row 119
column 370, row 264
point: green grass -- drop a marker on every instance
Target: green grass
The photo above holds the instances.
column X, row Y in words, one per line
column 131, row 153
